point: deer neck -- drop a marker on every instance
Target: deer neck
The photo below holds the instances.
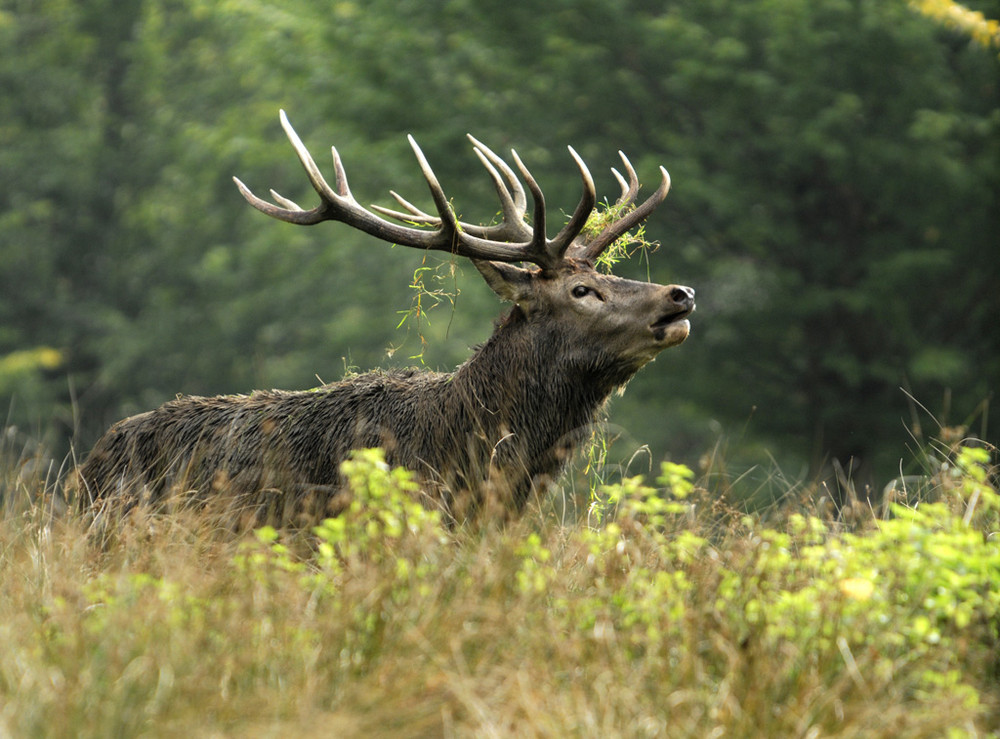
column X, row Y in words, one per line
column 526, row 380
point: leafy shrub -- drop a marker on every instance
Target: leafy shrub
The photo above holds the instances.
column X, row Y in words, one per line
column 665, row 613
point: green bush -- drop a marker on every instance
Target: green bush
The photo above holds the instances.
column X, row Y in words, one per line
column 666, row 612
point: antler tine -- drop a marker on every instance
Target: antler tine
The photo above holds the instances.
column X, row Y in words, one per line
column 289, row 204
column 593, row 249
column 563, row 240
column 621, row 181
column 338, row 167
column 520, row 200
column 537, row 247
column 406, row 204
column 630, row 190
column 512, row 223
column 288, row 213
column 414, row 214
column 449, row 224
column 307, row 217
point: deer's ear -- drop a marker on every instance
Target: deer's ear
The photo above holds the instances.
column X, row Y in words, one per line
column 507, row 281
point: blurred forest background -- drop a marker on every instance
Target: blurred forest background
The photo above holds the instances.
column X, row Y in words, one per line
column 836, row 170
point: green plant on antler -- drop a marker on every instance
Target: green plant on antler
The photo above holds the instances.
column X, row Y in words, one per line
column 626, row 245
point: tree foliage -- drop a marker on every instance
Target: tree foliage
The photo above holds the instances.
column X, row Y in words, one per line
column 835, row 167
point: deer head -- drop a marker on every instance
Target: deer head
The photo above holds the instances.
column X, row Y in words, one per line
column 601, row 314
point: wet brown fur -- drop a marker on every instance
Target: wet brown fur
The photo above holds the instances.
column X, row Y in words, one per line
column 499, row 427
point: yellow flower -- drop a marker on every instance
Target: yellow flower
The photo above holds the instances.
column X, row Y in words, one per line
column 857, row 587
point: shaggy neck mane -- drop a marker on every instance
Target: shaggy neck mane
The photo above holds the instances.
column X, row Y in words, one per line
column 527, row 401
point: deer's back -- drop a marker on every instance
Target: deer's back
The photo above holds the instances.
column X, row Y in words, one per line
column 241, row 445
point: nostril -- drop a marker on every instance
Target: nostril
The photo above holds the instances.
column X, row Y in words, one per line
column 681, row 294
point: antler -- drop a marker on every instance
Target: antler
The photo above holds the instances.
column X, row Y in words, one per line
column 592, row 248
column 512, row 240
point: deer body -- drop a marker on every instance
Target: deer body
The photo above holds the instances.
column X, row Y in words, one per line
column 499, row 427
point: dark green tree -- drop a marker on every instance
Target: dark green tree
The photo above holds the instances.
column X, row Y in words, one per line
column 835, row 167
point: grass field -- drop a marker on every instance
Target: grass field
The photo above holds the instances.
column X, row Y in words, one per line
column 666, row 610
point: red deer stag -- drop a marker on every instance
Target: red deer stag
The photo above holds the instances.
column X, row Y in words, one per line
column 497, row 428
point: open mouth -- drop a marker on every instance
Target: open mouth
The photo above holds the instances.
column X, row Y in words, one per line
column 669, row 318
column 671, row 328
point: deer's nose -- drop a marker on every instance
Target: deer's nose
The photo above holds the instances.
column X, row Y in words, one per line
column 682, row 295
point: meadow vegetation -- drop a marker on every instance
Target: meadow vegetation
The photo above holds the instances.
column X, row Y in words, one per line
column 837, row 181
column 663, row 608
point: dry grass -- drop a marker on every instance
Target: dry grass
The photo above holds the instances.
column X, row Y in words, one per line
column 675, row 616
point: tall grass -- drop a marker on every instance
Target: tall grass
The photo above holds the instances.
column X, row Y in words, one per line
column 664, row 612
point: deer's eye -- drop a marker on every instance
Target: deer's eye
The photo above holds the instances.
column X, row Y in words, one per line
column 582, row 291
